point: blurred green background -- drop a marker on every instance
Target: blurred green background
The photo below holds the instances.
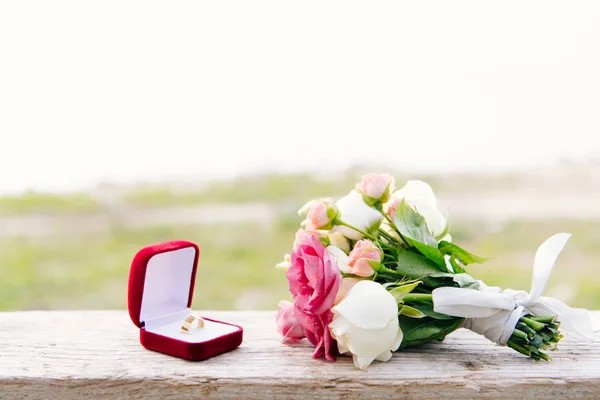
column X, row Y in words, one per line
column 73, row 251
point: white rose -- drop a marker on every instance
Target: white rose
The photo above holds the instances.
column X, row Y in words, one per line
column 286, row 263
column 353, row 211
column 340, row 257
column 338, row 240
column 365, row 324
column 420, row 197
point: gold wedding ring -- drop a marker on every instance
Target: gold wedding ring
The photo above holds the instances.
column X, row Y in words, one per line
column 191, row 323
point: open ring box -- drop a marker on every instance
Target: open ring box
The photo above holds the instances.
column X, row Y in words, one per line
column 161, row 286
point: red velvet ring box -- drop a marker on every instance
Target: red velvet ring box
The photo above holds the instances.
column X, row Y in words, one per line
column 161, row 285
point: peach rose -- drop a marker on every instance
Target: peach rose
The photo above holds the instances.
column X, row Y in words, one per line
column 363, row 260
column 376, row 187
column 391, row 207
column 319, row 214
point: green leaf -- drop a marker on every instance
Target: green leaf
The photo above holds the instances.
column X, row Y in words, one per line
column 460, row 254
column 456, row 266
column 415, row 266
column 402, row 291
column 412, row 225
column 418, row 331
column 466, row 281
column 432, row 253
column 463, row 280
column 411, row 312
column 427, row 309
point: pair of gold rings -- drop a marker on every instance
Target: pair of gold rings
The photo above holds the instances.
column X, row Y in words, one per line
column 191, row 324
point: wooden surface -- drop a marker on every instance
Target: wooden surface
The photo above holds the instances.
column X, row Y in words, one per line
column 96, row 354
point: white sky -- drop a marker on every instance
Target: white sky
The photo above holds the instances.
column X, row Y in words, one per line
column 126, row 90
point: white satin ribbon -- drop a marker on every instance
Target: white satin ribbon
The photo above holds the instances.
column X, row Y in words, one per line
column 494, row 313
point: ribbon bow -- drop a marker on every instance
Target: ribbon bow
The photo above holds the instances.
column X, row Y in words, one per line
column 494, row 313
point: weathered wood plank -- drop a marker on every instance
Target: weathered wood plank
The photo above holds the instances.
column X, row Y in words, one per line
column 73, row 355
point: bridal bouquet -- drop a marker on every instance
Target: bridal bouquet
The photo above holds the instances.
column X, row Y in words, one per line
column 377, row 271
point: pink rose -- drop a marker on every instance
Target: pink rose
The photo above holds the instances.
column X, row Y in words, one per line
column 391, row 207
column 364, row 258
column 320, row 214
column 287, row 323
column 302, row 235
column 376, row 187
column 314, row 280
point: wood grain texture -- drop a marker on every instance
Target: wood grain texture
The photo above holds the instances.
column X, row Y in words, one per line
column 82, row 354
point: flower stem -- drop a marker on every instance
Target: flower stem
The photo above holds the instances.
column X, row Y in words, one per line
column 387, row 235
column 393, row 226
column 544, row 319
column 535, row 334
column 535, row 325
column 385, row 270
column 416, row 297
column 520, row 334
column 518, row 348
column 340, row 222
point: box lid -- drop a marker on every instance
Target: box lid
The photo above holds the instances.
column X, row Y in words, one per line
column 161, row 280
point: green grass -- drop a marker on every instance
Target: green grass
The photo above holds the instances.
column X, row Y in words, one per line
column 269, row 188
column 236, row 264
column 294, row 187
column 43, row 203
column 91, row 271
column 236, row 269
